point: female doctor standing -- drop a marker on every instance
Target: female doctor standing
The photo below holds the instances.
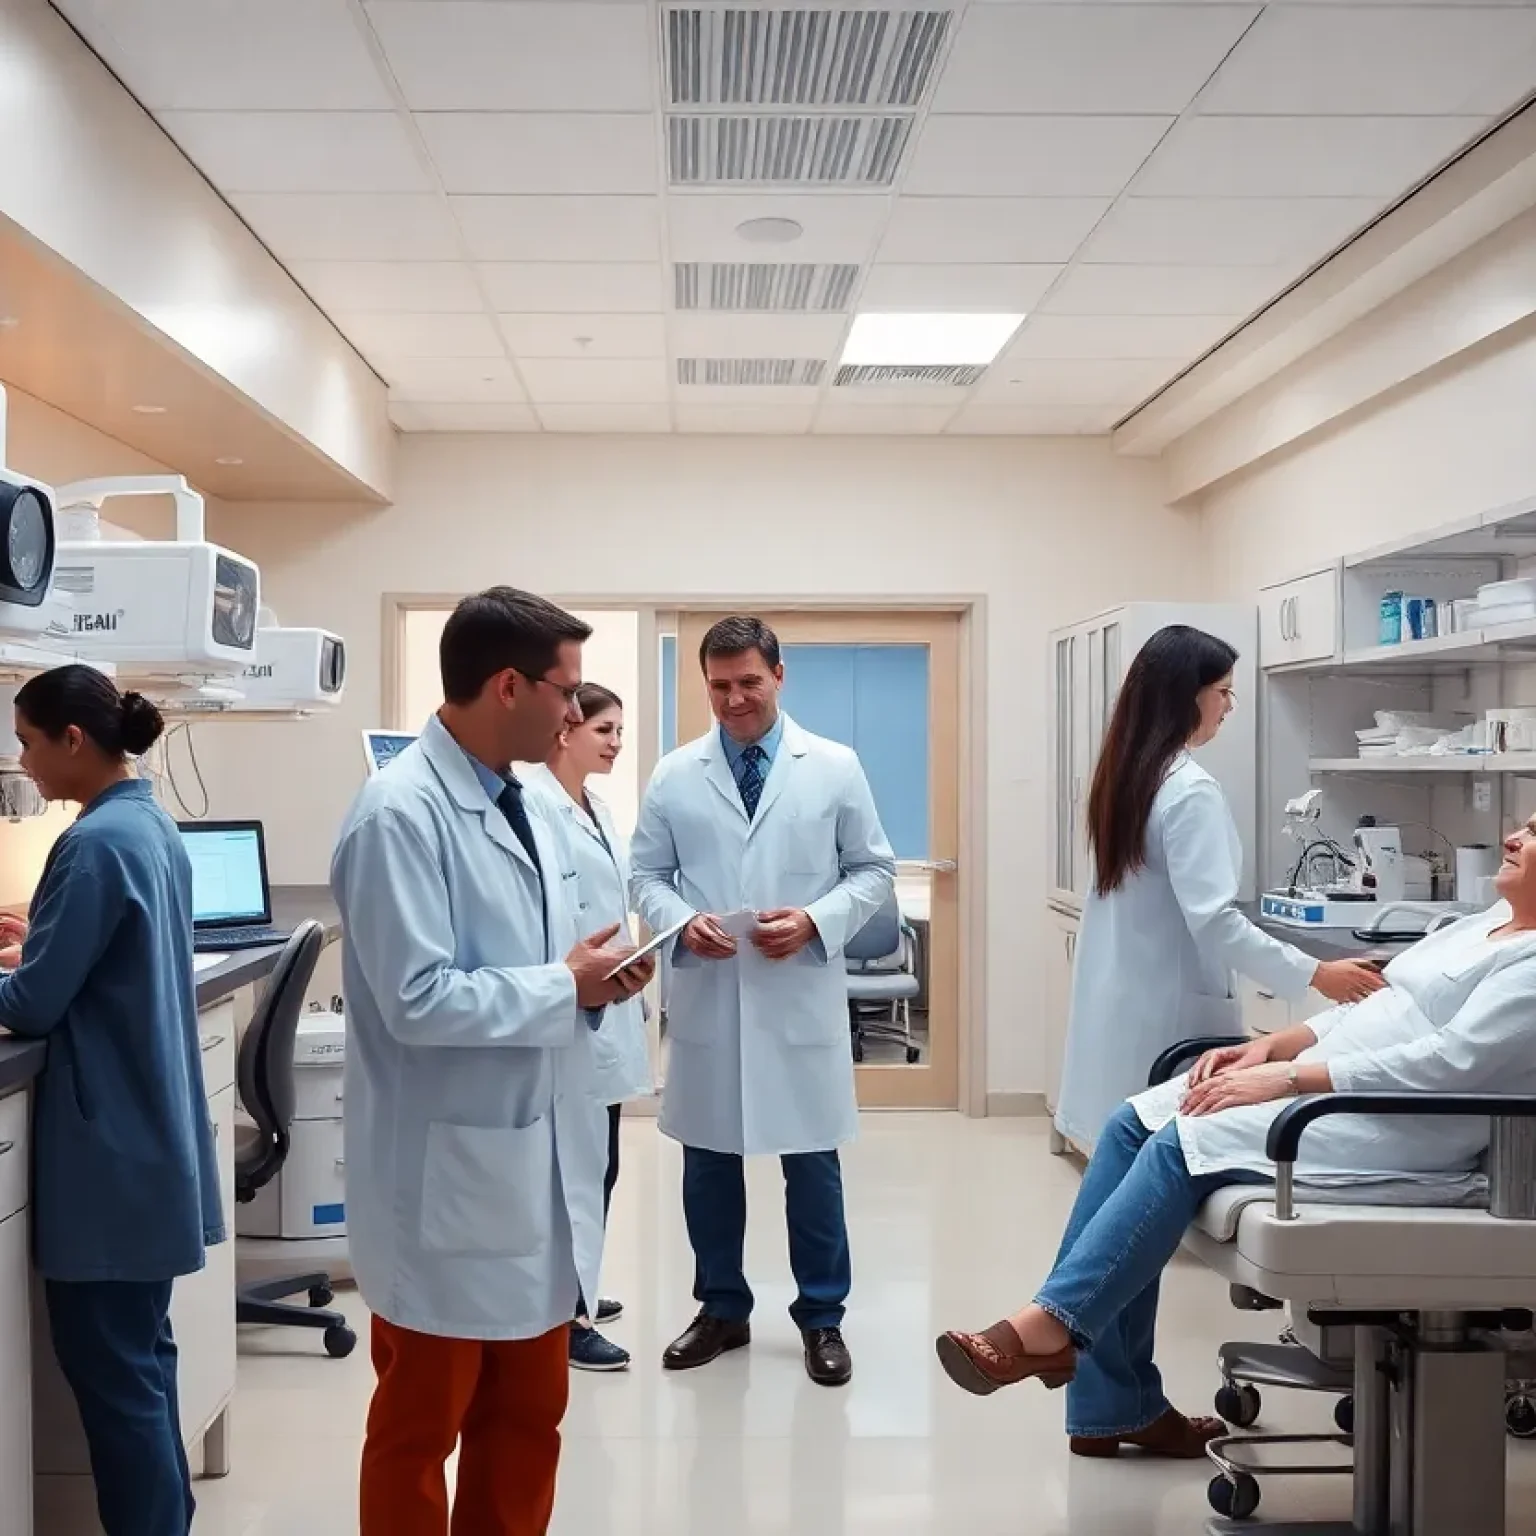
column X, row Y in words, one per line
column 622, row 1055
column 1161, row 934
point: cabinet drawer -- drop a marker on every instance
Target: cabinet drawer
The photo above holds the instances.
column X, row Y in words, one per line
column 15, row 1110
column 216, row 1030
column 1262, row 1012
column 15, row 1378
column 1299, row 620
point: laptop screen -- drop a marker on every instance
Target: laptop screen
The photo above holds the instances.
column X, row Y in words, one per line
column 229, row 873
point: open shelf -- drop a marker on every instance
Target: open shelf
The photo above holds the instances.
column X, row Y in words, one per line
column 1498, row 762
column 1471, row 648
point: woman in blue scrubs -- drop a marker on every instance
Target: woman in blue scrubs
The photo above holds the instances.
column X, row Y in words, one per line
column 126, row 1192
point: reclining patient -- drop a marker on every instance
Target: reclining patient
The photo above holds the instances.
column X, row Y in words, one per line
column 1458, row 1016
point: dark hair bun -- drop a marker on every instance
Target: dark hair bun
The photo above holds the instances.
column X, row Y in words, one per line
column 142, row 724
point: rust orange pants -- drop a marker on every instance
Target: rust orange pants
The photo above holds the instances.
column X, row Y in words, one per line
column 500, row 1401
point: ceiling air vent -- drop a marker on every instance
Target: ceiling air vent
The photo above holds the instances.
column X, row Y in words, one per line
column 958, row 375
column 799, row 57
column 751, row 372
column 786, row 287
column 785, row 151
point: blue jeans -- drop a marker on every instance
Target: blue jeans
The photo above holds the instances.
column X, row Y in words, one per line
column 1137, row 1198
column 114, row 1346
column 715, row 1206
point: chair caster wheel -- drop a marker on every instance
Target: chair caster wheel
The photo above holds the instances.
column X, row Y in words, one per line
column 321, row 1296
column 1520, row 1417
column 858, row 1051
column 1344, row 1415
column 914, row 1055
column 1239, row 1405
column 339, row 1341
column 1235, row 1497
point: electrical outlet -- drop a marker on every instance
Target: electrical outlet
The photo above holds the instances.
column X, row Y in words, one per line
column 1482, row 794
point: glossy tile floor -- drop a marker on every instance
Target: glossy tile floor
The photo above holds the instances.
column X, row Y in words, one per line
column 953, row 1222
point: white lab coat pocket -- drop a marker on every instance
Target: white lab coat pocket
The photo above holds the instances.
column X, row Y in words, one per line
column 487, row 1189
column 810, row 845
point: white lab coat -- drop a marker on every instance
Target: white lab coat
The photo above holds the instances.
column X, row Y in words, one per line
column 1155, row 958
column 760, row 1059
column 1458, row 1016
column 598, row 888
column 475, row 1147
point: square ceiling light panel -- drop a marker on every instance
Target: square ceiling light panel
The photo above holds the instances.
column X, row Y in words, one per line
column 884, row 340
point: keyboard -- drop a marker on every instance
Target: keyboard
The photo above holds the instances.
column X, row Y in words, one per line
column 216, row 940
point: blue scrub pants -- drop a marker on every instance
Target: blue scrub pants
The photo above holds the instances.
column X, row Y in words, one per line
column 715, row 1206
column 113, row 1343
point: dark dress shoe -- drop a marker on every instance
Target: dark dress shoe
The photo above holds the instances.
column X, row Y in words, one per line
column 706, row 1338
column 827, row 1361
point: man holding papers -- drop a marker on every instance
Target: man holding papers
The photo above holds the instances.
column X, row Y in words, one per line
column 766, row 839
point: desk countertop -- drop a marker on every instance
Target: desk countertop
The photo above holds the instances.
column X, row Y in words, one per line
column 1322, row 943
column 22, row 1060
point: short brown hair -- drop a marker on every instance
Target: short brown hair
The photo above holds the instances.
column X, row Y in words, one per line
column 499, row 629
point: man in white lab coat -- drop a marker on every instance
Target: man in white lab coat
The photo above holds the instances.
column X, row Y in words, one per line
column 766, row 838
column 475, row 1145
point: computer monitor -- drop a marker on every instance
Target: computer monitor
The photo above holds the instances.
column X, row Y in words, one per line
column 383, row 747
column 229, row 874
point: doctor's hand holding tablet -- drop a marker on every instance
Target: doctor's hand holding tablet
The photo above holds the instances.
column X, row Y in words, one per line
column 608, row 975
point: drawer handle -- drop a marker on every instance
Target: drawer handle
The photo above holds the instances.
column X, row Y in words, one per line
column 6, row 1146
column 341, row 1162
column 212, row 1042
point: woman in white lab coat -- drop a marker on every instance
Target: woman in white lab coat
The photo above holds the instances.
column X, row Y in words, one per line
column 1458, row 1015
column 600, row 897
column 1161, row 934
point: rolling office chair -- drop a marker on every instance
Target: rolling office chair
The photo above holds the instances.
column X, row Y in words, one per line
column 267, row 1094
column 882, row 972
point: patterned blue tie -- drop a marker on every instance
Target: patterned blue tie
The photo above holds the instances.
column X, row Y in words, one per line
column 751, row 781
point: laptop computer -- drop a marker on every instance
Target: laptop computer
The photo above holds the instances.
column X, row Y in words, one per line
column 231, row 899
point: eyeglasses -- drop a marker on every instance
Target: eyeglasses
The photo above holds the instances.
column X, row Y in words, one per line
column 568, row 694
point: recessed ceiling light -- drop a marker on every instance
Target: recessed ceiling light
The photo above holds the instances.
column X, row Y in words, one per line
column 770, row 231
column 149, row 410
column 228, row 461
column 884, row 340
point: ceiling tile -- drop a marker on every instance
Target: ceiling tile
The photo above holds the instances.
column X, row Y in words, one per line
column 230, row 55
column 300, row 151
column 606, row 418
column 1301, row 157
column 455, row 55
column 982, row 420
column 754, row 419
column 868, row 397
column 1228, row 231
column 536, row 229
column 399, row 287
column 1343, row 60
column 985, row 229
column 1031, row 381
column 697, row 334
column 534, row 335
column 529, row 154
column 1090, row 289
column 836, row 419
column 578, row 381
column 1179, row 337
column 339, row 226
column 997, row 289
column 702, row 226
column 379, row 335
column 462, row 416
column 779, row 396
column 573, row 287
column 1087, row 58
column 1031, row 156
column 455, row 380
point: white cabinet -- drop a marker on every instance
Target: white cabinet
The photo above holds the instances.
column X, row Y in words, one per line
column 1060, row 957
column 1088, row 662
column 15, row 1372
column 1263, row 1013
column 1299, row 620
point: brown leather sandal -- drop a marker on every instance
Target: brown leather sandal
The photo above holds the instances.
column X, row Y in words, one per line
column 1172, row 1436
column 983, row 1362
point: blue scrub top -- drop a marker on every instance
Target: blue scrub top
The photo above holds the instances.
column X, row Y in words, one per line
column 126, row 1183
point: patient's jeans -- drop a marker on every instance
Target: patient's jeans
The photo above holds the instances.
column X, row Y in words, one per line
column 1137, row 1198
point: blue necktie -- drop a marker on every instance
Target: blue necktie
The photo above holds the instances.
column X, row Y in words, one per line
column 751, row 781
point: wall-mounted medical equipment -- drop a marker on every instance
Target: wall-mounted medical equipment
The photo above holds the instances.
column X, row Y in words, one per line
column 293, row 671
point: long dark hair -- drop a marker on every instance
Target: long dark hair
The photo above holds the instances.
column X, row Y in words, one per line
column 1157, row 712
column 121, row 724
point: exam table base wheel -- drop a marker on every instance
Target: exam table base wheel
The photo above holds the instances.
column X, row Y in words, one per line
column 339, row 1341
column 1344, row 1415
column 1235, row 1497
column 1240, row 1406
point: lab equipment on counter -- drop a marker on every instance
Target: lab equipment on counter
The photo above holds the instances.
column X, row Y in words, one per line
column 1476, row 865
column 231, row 896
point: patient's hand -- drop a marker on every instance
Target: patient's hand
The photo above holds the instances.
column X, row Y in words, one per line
column 1229, row 1058
column 1249, row 1085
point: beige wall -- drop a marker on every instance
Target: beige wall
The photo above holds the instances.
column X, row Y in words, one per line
column 1045, row 531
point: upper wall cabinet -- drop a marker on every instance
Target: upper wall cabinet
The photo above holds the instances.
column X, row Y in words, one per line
column 1299, row 620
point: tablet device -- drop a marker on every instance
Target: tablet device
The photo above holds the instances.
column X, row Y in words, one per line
column 650, row 946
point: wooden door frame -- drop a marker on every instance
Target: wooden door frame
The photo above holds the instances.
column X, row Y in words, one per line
column 971, row 610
